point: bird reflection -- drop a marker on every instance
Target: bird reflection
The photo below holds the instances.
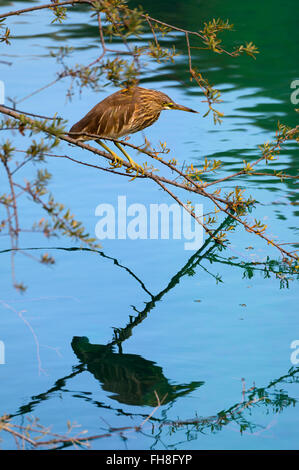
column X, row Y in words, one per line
column 129, row 378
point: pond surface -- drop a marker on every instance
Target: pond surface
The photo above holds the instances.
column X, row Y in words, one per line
column 98, row 335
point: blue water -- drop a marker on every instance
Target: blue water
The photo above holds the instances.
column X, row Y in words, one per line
column 196, row 329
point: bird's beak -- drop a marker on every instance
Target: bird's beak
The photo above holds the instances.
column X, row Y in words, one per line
column 183, row 108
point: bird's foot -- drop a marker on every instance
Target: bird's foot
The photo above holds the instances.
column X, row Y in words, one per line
column 139, row 170
column 134, row 166
column 117, row 162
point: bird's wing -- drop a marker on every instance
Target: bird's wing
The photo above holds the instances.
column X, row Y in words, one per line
column 109, row 118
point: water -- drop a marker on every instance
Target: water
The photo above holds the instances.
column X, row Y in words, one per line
column 195, row 327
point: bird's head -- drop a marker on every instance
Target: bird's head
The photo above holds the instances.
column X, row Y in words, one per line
column 167, row 103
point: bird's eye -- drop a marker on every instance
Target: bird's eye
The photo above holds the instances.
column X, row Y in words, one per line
column 169, row 105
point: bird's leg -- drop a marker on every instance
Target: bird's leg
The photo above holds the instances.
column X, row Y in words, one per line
column 117, row 160
column 134, row 164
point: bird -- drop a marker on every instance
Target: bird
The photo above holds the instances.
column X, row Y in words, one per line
column 122, row 113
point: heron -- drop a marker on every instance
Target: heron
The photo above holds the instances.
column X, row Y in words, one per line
column 124, row 112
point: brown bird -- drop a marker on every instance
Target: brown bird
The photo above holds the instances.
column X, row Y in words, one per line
column 125, row 112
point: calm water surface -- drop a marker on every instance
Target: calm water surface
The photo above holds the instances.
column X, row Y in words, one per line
column 113, row 327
